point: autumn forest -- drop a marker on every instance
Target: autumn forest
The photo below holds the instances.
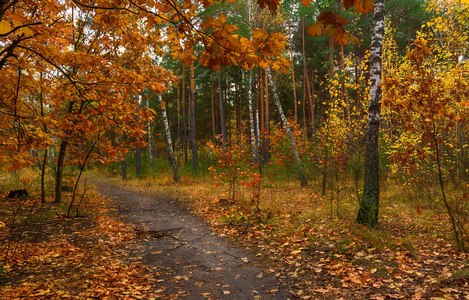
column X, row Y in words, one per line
column 329, row 137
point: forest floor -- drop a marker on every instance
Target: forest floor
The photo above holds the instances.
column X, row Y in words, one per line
column 315, row 243
column 134, row 246
column 155, row 239
column 192, row 260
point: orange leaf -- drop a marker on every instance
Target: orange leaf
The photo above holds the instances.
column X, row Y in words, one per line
column 315, row 29
column 306, row 2
column 360, row 6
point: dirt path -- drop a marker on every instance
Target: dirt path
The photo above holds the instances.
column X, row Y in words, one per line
column 195, row 263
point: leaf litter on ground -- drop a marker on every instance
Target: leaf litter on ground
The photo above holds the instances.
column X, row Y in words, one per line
column 326, row 254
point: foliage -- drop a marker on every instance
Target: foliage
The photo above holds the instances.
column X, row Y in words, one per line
column 431, row 108
column 234, row 167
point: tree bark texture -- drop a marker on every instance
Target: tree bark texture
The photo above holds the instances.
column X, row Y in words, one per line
column 369, row 206
column 172, row 157
column 150, row 148
column 60, row 161
column 222, row 112
column 213, row 113
column 138, row 150
column 295, row 101
column 184, row 122
column 193, row 141
column 43, row 173
column 251, row 120
column 267, row 121
column 59, row 171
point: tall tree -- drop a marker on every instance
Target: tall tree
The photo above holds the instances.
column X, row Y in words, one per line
column 138, row 150
column 150, row 141
column 221, row 102
column 299, row 166
column 369, row 205
column 251, row 121
column 184, row 118
column 292, row 58
column 193, row 138
column 169, row 141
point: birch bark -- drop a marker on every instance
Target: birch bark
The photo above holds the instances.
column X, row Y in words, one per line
column 369, row 206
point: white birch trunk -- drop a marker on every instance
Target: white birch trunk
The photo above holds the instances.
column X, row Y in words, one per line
column 369, row 206
column 251, row 120
column 289, row 133
column 172, row 157
column 169, row 141
column 251, row 113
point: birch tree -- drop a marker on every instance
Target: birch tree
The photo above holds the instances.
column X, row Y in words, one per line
column 294, row 149
column 369, row 205
column 169, row 141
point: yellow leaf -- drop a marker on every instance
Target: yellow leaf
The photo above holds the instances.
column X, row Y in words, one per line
column 5, row 27
column 25, row 31
column 233, row 60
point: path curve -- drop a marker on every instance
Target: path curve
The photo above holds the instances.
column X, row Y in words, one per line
column 197, row 263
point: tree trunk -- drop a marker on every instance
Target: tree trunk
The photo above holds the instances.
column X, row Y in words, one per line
column 344, row 90
column 238, row 125
column 369, row 206
column 172, row 157
column 124, row 168
column 150, row 148
column 123, row 163
column 312, row 107
column 179, row 127
column 262, row 116
column 44, row 161
column 251, row 110
column 138, row 152
column 222, row 112
column 306, row 91
column 183, row 104
column 267, row 122
column 251, row 120
column 60, row 161
column 193, row 141
column 138, row 160
column 43, row 173
column 212, row 96
column 310, row 89
column 59, row 171
column 293, row 71
column 289, row 133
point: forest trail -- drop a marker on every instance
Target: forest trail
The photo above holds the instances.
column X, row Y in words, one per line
column 195, row 263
